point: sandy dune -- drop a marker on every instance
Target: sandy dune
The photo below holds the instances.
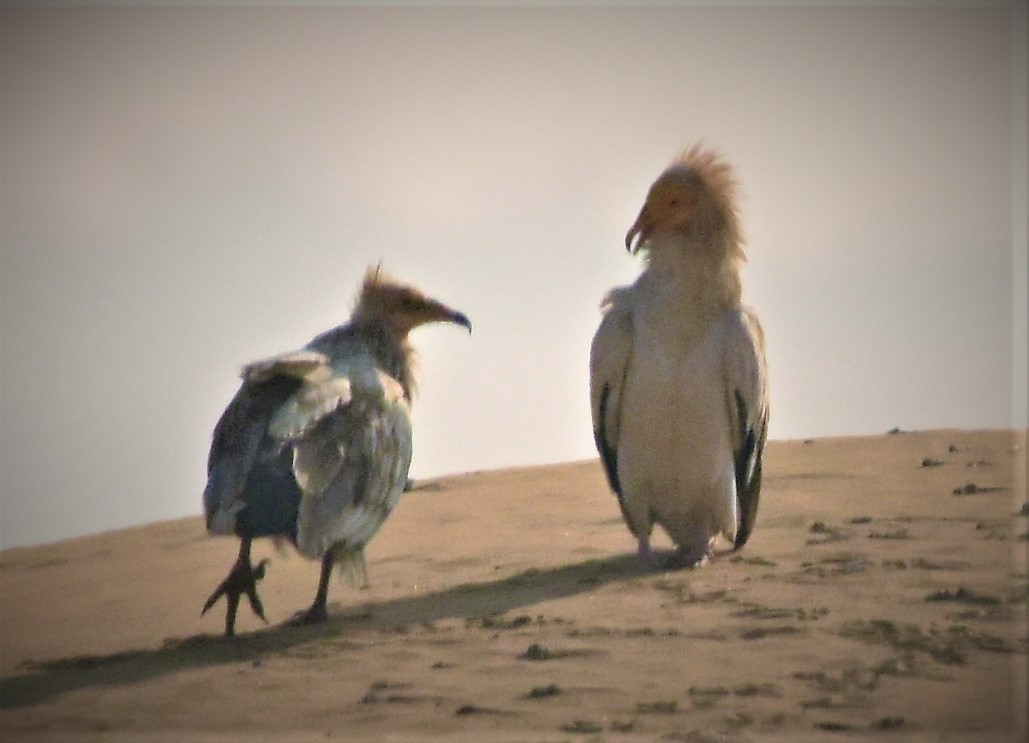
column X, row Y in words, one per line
column 882, row 596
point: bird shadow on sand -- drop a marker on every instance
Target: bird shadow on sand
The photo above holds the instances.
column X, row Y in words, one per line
column 49, row 679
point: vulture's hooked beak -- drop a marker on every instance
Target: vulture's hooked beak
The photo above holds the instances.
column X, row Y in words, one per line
column 460, row 318
column 638, row 233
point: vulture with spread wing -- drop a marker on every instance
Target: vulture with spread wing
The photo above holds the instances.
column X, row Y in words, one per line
column 316, row 444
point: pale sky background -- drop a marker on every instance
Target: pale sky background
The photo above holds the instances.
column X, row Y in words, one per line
column 186, row 190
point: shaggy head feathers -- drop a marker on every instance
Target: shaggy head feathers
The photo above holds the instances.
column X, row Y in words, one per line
column 695, row 198
column 401, row 307
column 691, row 212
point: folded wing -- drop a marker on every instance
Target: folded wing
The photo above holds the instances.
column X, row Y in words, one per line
column 352, row 466
column 610, row 353
column 746, row 395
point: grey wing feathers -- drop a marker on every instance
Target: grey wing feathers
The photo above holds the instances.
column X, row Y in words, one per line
column 269, row 386
column 747, row 399
column 609, row 358
column 346, row 427
column 351, row 437
column 352, row 468
column 235, row 444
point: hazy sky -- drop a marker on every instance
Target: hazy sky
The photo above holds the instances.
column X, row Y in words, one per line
column 186, row 190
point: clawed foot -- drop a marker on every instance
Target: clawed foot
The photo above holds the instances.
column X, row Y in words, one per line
column 241, row 580
column 694, row 556
column 316, row 614
column 681, row 558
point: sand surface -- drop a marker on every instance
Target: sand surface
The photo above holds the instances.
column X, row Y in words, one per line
column 882, row 596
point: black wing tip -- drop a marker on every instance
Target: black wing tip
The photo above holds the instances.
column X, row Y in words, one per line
column 747, row 499
column 748, row 489
column 608, row 454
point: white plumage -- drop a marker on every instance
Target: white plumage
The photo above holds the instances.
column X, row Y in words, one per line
column 678, row 383
column 316, row 445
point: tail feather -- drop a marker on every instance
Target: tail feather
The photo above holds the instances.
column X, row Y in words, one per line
column 352, row 566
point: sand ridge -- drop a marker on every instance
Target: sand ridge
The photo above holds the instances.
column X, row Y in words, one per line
column 882, row 596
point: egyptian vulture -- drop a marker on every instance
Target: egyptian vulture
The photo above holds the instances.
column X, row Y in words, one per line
column 678, row 383
column 315, row 447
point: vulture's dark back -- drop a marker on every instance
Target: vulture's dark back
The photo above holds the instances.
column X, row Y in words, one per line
column 243, row 454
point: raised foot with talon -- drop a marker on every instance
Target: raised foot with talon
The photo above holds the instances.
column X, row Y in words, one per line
column 241, row 580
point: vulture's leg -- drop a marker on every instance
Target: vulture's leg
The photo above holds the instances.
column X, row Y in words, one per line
column 645, row 555
column 242, row 579
column 318, row 611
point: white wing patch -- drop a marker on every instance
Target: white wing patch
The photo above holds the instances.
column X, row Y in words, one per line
column 299, row 364
column 315, row 399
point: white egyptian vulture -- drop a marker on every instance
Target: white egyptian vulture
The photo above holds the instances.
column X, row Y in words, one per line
column 678, row 384
column 316, row 444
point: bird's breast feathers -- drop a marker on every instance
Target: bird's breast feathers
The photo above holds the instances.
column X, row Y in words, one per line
column 675, row 396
